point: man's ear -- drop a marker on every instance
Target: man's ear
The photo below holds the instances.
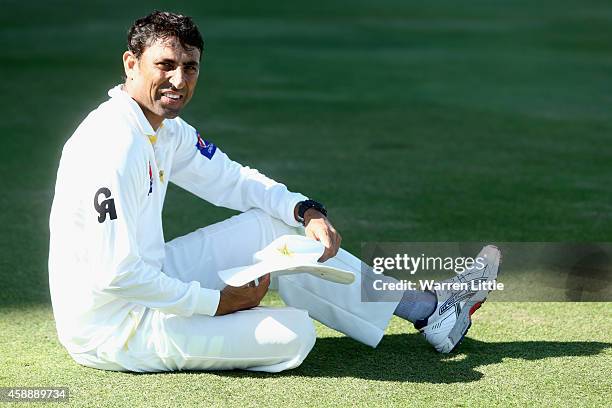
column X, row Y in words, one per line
column 130, row 64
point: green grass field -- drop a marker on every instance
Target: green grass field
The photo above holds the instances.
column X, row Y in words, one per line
column 479, row 121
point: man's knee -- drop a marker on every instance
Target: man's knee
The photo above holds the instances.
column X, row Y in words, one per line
column 306, row 333
column 296, row 334
column 289, row 327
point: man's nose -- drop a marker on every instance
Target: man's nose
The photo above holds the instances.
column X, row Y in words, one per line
column 178, row 78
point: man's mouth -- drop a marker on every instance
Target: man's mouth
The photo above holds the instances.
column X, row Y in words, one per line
column 171, row 98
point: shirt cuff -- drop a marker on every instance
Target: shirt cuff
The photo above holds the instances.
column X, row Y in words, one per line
column 289, row 217
column 208, row 302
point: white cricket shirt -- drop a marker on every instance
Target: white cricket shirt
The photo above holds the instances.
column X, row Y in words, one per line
column 106, row 239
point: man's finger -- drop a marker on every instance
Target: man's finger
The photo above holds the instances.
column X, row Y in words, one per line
column 264, row 284
column 325, row 239
column 327, row 242
column 265, row 280
column 328, row 253
column 336, row 241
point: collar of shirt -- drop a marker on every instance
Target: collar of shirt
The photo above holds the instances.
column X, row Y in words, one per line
column 135, row 112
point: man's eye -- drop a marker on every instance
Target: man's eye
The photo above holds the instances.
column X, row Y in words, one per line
column 166, row 66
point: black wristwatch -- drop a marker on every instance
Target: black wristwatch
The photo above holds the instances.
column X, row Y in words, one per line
column 304, row 206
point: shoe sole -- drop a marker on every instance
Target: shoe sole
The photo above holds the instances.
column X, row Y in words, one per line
column 464, row 320
column 472, row 310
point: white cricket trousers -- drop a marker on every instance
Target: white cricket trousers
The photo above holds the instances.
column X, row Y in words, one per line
column 259, row 339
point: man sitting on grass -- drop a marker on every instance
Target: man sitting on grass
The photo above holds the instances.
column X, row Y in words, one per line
column 124, row 299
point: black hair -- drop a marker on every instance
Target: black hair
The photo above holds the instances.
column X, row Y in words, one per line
column 162, row 25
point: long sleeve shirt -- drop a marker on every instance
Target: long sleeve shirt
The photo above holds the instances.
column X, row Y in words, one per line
column 106, row 238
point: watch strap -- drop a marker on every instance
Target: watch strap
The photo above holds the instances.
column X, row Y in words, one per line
column 304, row 206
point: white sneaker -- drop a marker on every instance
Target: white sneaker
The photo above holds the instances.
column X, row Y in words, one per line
column 446, row 327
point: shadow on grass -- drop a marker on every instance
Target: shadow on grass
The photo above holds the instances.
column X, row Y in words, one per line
column 408, row 358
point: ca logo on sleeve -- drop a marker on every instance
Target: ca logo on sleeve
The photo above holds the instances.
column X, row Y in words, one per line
column 105, row 206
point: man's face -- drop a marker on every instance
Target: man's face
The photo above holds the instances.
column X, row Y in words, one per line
column 163, row 79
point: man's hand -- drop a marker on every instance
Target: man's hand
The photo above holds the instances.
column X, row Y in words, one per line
column 319, row 228
column 245, row 297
